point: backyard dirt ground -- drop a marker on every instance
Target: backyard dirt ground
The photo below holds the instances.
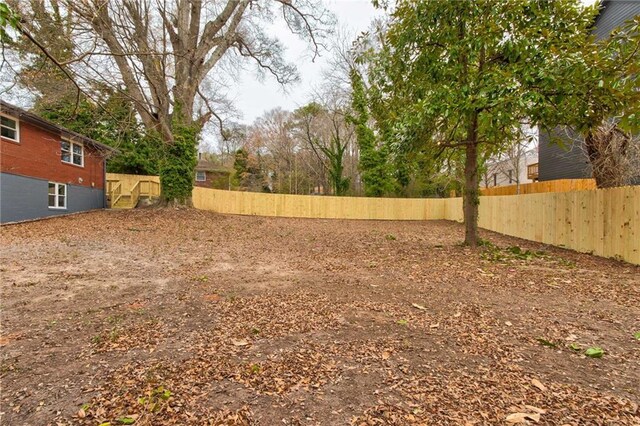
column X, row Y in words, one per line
column 163, row 317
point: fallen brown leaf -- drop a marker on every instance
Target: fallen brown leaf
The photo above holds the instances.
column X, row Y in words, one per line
column 539, row 385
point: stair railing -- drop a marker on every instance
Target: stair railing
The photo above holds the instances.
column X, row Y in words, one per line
column 115, row 193
column 135, row 194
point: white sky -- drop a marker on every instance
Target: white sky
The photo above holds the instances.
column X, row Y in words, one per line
column 252, row 97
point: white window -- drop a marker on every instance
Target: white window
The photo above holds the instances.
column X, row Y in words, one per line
column 9, row 128
column 57, row 195
column 72, row 153
column 201, row 176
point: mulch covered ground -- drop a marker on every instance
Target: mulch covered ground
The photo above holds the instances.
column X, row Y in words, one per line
column 163, row 317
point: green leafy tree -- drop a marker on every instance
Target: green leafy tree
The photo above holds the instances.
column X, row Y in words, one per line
column 464, row 75
column 248, row 174
column 113, row 123
column 8, row 19
column 375, row 169
column 240, row 167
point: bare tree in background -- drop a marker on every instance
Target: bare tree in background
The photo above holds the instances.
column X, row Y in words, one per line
column 612, row 154
column 232, row 137
column 272, row 136
column 165, row 54
column 323, row 127
column 335, row 98
column 43, row 60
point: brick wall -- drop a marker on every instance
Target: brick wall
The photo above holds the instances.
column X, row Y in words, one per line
column 215, row 180
column 38, row 155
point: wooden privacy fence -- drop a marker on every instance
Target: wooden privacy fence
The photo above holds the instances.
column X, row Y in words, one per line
column 314, row 206
column 559, row 185
column 605, row 222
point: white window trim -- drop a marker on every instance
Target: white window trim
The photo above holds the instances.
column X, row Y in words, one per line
column 17, row 129
column 201, row 180
column 71, row 144
column 66, row 197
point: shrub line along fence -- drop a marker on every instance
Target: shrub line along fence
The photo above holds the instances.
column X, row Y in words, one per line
column 558, row 185
column 605, row 222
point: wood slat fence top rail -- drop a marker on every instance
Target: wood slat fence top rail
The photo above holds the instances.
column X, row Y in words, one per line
column 559, row 185
column 605, row 222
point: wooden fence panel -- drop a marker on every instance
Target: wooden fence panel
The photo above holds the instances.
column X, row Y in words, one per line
column 285, row 205
column 559, row 185
column 605, row 222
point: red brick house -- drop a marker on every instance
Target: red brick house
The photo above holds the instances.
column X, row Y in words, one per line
column 208, row 175
column 45, row 169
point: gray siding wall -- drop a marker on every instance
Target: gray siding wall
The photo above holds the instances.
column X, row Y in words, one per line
column 26, row 198
column 614, row 14
column 559, row 157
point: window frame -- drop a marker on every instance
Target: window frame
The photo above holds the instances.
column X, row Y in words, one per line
column 56, row 195
column 205, row 176
column 71, row 152
column 17, row 129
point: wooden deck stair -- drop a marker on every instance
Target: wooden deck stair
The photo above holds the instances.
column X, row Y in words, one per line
column 124, row 202
column 125, row 191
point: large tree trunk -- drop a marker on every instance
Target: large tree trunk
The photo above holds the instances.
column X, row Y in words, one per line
column 607, row 147
column 471, row 198
column 178, row 165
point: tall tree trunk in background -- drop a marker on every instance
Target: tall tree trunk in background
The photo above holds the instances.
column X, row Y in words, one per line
column 471, row 198
column 607, row 149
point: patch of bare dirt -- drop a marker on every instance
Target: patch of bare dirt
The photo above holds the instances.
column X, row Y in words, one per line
column 163, row 317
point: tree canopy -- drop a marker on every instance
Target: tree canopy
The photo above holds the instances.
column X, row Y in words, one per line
column 164, row 56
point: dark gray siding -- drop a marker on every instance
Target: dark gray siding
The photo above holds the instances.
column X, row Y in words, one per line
column 614, row 14
column 561, row 157
column 26, row 198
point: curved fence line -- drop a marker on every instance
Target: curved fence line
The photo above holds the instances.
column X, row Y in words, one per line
column 605, row 222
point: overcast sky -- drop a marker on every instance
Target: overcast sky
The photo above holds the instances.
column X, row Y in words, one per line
column 252, row 97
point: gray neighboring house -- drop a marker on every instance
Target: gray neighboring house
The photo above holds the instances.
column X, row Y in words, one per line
column 47, row 170
column 569, row 161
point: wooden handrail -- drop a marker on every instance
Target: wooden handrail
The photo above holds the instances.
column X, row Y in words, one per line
column 115, row 194
column 135, row 194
